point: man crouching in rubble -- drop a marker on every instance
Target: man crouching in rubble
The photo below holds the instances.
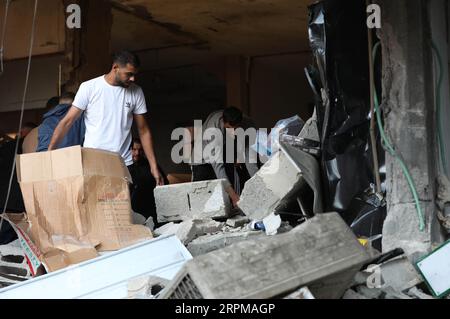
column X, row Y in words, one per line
column 110, row 102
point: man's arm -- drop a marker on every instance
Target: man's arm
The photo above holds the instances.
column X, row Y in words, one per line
column 64, row 126
column 219, row 169
column 147, row 143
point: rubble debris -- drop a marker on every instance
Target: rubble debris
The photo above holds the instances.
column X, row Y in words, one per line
column 400, row 274
column 418, row 294
column 351, row 294
column 271, row 187
column 209, row 243
column 302, row 293
column 321, row 253
column 146, row 287
column 369, row 293
column 434, row 268
column 185, row 231
column 199, row 200
column 106, row 277
column 208, row 226
column 238, row 221
column 391, row 293
column 190, row 229
column 13, row 265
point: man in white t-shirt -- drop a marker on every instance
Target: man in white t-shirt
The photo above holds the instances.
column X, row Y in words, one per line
column 110, row 103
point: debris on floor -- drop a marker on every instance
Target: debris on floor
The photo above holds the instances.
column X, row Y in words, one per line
column 321, row 253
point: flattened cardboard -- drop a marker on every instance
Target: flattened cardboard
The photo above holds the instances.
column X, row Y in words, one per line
column 78, row 202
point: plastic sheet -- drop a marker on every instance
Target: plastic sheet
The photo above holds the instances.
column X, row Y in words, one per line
column 340, row 82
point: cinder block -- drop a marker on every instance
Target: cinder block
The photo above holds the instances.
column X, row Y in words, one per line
column 276, row 183
column 322, row 253
column 199, row 200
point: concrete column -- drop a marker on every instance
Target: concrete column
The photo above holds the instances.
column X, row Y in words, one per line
column 408, row 104
column 88, row 49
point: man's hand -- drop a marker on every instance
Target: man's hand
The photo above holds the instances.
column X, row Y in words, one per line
column 233, row 196
column 158, row 177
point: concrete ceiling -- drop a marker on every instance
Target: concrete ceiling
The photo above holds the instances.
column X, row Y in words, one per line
column 246, row 27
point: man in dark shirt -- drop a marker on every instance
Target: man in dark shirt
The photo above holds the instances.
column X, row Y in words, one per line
column 142, row 197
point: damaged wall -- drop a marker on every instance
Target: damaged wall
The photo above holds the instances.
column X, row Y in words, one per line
column 410, row 123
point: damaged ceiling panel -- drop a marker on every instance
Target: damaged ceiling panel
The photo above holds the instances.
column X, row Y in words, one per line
column 228, row 26
column 50, row 22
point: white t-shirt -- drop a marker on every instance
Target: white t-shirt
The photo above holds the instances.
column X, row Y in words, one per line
column 109, row 115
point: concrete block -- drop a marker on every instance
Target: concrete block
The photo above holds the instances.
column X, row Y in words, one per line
column 322, row 253
column 209, row 243
column 199, row 200
column 276, row 183
column 238, row 221
column 185, row 231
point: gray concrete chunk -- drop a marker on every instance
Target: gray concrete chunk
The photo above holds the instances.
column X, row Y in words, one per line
column 322, row 253
column 206, row 199
column 209, row 243
column 276, row 183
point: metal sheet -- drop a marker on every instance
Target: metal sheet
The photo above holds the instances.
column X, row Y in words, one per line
column 106, row 277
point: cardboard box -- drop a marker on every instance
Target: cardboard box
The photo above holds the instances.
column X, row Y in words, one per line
column 78, row 203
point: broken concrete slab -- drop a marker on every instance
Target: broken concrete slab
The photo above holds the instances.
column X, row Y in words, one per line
column 199, row 200
column 271, row 188
column 400, row 274
column 185, row 231
column 209, row 243
column 322, row 253
column 238, row 221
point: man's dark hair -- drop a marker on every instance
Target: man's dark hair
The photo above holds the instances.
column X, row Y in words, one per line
column 67, row 96
column 53, row 102
column 232, row 116
column 122, row 58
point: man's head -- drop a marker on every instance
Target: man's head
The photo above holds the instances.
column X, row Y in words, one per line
column 52, row 103
column 125, row 67
column 232, row 117
column 67, row 98
column 137, row 151
column 26, row 129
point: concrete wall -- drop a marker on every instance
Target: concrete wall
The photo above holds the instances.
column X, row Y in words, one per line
column 279, row 88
